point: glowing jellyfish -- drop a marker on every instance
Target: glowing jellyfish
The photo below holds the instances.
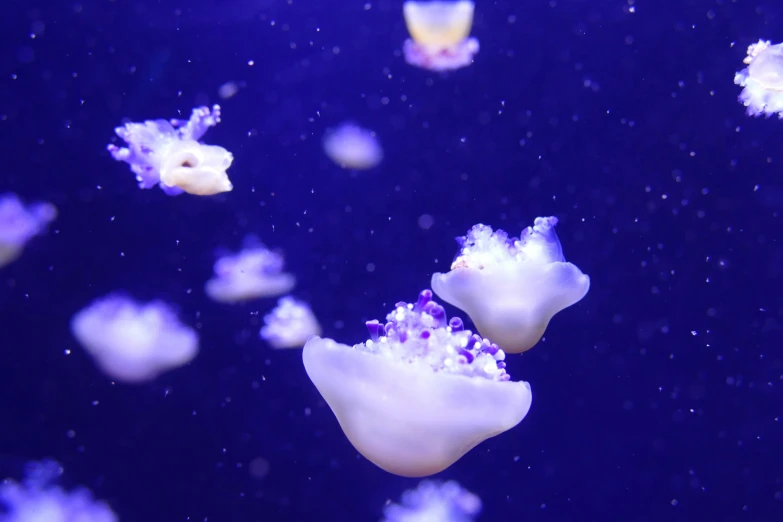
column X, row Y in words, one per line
column 290, row 324
column 434, row 501
column 19, row 223
column 762, row 79
column 253, row 273
column 420, row 393
column 439, row 34
column 134, row 342
column 511, row 287
column 352, row 147
column 168, row 154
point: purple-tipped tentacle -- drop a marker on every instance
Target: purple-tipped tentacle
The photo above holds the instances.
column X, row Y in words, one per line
column 456, row 324
column 376, row 329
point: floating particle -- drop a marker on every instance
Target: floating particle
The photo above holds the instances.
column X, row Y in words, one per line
column 439, row 34
column 227, row 90
column 259, row 468
column 434, row 501
column 352, row 147
column 290, row 324
column 420, row 393
column 19, row 224
column 762, row 79
column 253, row 273
column 168, row 154
column 511, row 288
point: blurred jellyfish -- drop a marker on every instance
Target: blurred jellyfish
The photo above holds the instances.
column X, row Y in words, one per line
column 439, row 34
column 420, row 393
column 253, row 273
column 18, row 224
column 762, row 79
column 37, row 500
column 132, row 342
column 290, row 324
column 434, row 501
column 168, row 154
column 352, row 147
column 510, row 287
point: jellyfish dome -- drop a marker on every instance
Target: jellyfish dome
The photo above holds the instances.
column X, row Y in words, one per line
column 420, row 393
column 511, row 288
column 168, row 154
column 19, row 224
column 439, row 32
column 253, row 273
column 352, row 147
column 762, row 79
column 290, row 324
column 434, row 501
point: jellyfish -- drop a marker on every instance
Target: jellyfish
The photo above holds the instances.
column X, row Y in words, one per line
column 434, row 501
column 19, row 223
column 253, row 273
column 420, row 393
column 133, row 342
column 290, row 324
column 352, row 147
column 168, row 154
column 762, row 79
column 511, row 288
column 439, row 34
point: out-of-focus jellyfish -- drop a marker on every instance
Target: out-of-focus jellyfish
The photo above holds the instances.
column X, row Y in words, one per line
column 439, row 34
column 168, row 154
column 290, row 324
column 762, row 79
column 37, row 500
column 352, row 147
column 509, row 287
column 420, row 393
column 19, row 223
column 133, row 342
column 434, row 501
column 253, row 273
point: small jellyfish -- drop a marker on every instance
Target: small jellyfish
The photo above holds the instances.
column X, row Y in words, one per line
column 168, row 154
column 762, row 79
column 352, row 147
column 290, row 324
column 439, row 34
column 509, row 287
column 420, row 393
column 434, row 501
column 19, row 223
column 253, row 273
column 133, row 342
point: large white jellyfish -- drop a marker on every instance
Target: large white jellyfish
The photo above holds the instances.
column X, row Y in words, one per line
column 439, row 34
column 762, row 79
column 37, row 500
column 420, row 393
column 434, row 501
column 352, row 147
column 18, row 224
column 168, row 154
column 290, row 324
column 133, row 342
column 511, row 287
column 253, row 273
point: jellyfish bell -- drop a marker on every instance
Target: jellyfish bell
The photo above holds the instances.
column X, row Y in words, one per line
column 511, row 288
column 420, row 393
column 290, row 324
column 352, row 147
column 434, row 501
column 253, row 273
column 19, row 223
column 196, row 168
column 439, row 34
column 762, row 80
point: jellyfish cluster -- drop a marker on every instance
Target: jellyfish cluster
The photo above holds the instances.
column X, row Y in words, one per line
column 762, row 79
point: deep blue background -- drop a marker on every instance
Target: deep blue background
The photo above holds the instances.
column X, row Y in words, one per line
column 663, row 384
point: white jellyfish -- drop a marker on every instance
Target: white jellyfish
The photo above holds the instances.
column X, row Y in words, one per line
column 19, row 223
column 168, row 154
column 133, row 342
column 253, row 273
column 420, row 393
column 434, row 501
column 352, row 147
column 290, row 324
column 439, row 34
column 762, row 79
column 511, row 288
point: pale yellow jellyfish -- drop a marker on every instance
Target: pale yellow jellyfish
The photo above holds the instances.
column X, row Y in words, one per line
column 762, row 79
column 19, row 223
column 511, row 288
column 439, row 34
column 290, row 324
column 253, row 273
column 352, row 147
column 420, row 393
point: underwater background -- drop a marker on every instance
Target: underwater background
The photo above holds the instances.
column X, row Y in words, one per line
column 657, row 397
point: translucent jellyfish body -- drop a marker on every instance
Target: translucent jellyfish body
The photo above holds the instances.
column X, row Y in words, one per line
column 434, row 501
column 352, row 147
column 511, row 288
column 290, row 324
column 420, row 393
column 19, row 223
column 762, row 79
column 168, row 154
column 253, row 273
column 439, row 34
column 133, row 342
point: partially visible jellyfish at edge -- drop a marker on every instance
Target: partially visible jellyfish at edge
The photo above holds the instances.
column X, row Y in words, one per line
column 439, row 32
column 762, row 79
column 253, row 273
column 290, row 324
column 434, row 501
column 19, row 224
column 352, row 147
